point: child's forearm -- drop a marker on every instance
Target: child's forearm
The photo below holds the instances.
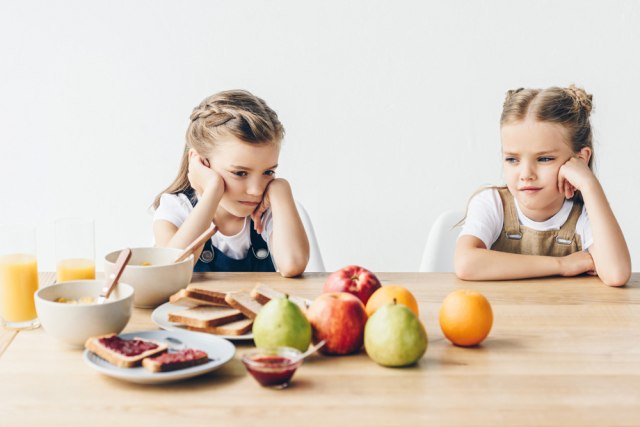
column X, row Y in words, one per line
column 609, row 249
column 485, row 264
column 198, row 220
column 289, row 242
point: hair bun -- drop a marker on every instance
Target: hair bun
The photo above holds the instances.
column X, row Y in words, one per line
column 581, row 98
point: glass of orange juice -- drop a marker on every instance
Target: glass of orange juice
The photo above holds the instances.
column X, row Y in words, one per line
column 75, row 250
column 18, row 277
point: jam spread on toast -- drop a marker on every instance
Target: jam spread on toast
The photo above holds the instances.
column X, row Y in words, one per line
column 127, row 348
column 186, row 355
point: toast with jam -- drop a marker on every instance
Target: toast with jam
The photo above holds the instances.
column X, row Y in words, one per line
column 173, row 361
column 124, row 353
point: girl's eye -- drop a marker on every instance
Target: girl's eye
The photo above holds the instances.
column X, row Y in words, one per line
column 545, row 159
column 510, row 159
column 270, row 173
column 239, row 173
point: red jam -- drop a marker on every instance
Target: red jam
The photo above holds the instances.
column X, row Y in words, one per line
column 272, row 371
column 186, row 355
column 127, row 347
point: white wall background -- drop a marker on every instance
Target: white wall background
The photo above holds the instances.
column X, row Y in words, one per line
column 391, row 108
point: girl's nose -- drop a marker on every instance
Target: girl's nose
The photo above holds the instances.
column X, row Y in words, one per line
column 255, row 188
column 527, row 172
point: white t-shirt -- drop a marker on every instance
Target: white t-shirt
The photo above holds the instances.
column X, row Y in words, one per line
column 485, row 218
column 176, row 207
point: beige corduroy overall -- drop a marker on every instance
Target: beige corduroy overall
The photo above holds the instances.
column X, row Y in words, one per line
column 518, row 239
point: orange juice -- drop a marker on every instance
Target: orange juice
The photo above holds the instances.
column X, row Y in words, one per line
column 76, row 269
column 18, row 283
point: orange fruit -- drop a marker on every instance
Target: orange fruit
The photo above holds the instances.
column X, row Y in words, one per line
column 466, row 317
column 387, row 294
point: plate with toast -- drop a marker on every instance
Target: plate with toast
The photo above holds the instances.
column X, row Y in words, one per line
column 229, row 315
column 154, row 357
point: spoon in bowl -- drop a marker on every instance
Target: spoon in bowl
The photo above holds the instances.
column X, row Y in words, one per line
column 112, row 281
column 199, row 241
column 311, row 350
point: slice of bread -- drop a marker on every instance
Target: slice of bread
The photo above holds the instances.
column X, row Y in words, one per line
column 205, row 316
column 191, row 298
column 105, row 346
column 174, row 361
column 208, row 292
column 263, row 294
column 239, row 327
column 243, row 301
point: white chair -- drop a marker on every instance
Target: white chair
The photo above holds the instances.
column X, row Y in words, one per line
column 441, row 243
column 315, row 257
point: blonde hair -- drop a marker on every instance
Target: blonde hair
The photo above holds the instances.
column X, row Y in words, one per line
column 569, row 107
column 235, row 112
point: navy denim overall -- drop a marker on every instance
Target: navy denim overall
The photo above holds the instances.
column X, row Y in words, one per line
column 212, row 259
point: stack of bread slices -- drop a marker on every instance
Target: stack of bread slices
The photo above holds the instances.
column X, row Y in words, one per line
column 222, row 313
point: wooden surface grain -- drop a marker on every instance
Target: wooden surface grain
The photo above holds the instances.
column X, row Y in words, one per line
column 561, row 352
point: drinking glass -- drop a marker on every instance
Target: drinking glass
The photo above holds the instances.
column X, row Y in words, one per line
column 74, row 249
column 18, row 277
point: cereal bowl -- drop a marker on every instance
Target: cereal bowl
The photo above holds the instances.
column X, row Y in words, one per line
column 153, row 274
column 69, row 311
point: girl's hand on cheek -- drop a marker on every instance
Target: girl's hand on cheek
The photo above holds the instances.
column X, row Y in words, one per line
column 202, row 177
column 265, row 204
column 272, row 192
column 574, row 175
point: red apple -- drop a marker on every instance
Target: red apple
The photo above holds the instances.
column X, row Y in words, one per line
column 339, row 319
column 353, row 279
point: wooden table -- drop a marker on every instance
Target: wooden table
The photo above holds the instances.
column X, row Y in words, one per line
column 562, row 352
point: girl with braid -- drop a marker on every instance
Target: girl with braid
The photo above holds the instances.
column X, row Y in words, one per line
column 228, row 177
column 552, row 217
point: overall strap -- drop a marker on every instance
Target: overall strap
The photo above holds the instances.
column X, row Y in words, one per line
column 259, row 247
column 511, row 223
column 568, row 229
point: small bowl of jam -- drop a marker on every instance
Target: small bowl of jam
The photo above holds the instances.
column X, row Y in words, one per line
column 272, row 367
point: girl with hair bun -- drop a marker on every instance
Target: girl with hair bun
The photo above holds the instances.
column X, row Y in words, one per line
column 552, row 217
column 228, row 177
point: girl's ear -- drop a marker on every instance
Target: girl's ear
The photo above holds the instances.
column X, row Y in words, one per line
column 192, row 152
column 585, row 154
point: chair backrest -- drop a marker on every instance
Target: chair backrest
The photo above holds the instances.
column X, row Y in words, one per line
column 441, row 243
column 315, row 256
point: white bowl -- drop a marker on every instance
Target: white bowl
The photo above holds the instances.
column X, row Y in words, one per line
column 154, row 283
column 74, row 323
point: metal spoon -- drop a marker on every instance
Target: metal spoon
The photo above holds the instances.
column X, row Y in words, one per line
column 311, row 350
column 112, row 281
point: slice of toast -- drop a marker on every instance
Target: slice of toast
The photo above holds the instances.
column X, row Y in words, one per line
column 131, row 351
column 263, row 294
column 191, row 298
column 205, row 316
column 239, row 327
column 174, row 361
column 208, row 292
column 243, row 301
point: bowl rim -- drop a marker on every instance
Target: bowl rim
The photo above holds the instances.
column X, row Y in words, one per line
column 38, row 297
column 189, row 259
column 272, row 351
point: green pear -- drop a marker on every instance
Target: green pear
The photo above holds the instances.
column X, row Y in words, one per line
column 394, row 336
column 281, row 323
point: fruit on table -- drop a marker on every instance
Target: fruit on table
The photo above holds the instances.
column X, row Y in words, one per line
column 394, row 336
column 338, row 318
column 466, row 317
column 281, row 323
column 387, row 294
column 353, row 279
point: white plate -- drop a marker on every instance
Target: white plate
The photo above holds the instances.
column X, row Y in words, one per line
column 219, row 350
column 160, row 317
